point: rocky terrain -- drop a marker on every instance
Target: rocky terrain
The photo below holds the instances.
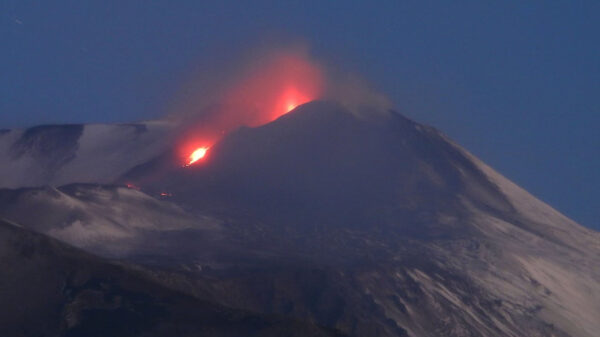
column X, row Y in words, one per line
column 56, row 290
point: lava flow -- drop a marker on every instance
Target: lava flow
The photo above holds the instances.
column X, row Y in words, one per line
column 198, row 154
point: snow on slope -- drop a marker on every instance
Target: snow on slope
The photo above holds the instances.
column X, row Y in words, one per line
column 550, row 261
column 62, row 154
column 113, row 221
column 543, row 217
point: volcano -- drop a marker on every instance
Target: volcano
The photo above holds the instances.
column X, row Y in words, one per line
column 357, row 220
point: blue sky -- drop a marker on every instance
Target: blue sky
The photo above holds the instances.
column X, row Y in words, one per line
column 515, row 82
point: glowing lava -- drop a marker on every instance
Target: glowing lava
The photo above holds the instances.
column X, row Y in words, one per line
column 132, row 186
column 198, row 154
column 289, row 100
column 267, row 88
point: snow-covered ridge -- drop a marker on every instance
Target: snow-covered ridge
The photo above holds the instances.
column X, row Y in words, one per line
column 110, row 220
column 91, row 153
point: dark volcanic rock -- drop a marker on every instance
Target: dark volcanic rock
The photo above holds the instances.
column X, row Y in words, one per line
column 322, row 166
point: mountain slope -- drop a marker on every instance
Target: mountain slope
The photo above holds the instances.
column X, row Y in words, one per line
column 56, row 290
column 113, row 221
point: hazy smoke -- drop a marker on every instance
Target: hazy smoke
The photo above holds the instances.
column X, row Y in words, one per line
column 264, row 85
column 356, row 95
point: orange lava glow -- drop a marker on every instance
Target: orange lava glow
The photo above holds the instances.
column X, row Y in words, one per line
column 271, row 90
column 132, row 186
column 290, row 99
column 196, row 155
column 261, row 93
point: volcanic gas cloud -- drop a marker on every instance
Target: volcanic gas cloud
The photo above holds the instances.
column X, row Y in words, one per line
column 265, row 90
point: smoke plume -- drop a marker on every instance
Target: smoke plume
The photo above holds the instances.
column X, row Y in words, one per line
column 265, row 85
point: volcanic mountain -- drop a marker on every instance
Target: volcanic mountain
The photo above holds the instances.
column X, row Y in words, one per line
column 360, row 220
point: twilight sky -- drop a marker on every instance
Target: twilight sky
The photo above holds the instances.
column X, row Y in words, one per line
column 515, row 82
